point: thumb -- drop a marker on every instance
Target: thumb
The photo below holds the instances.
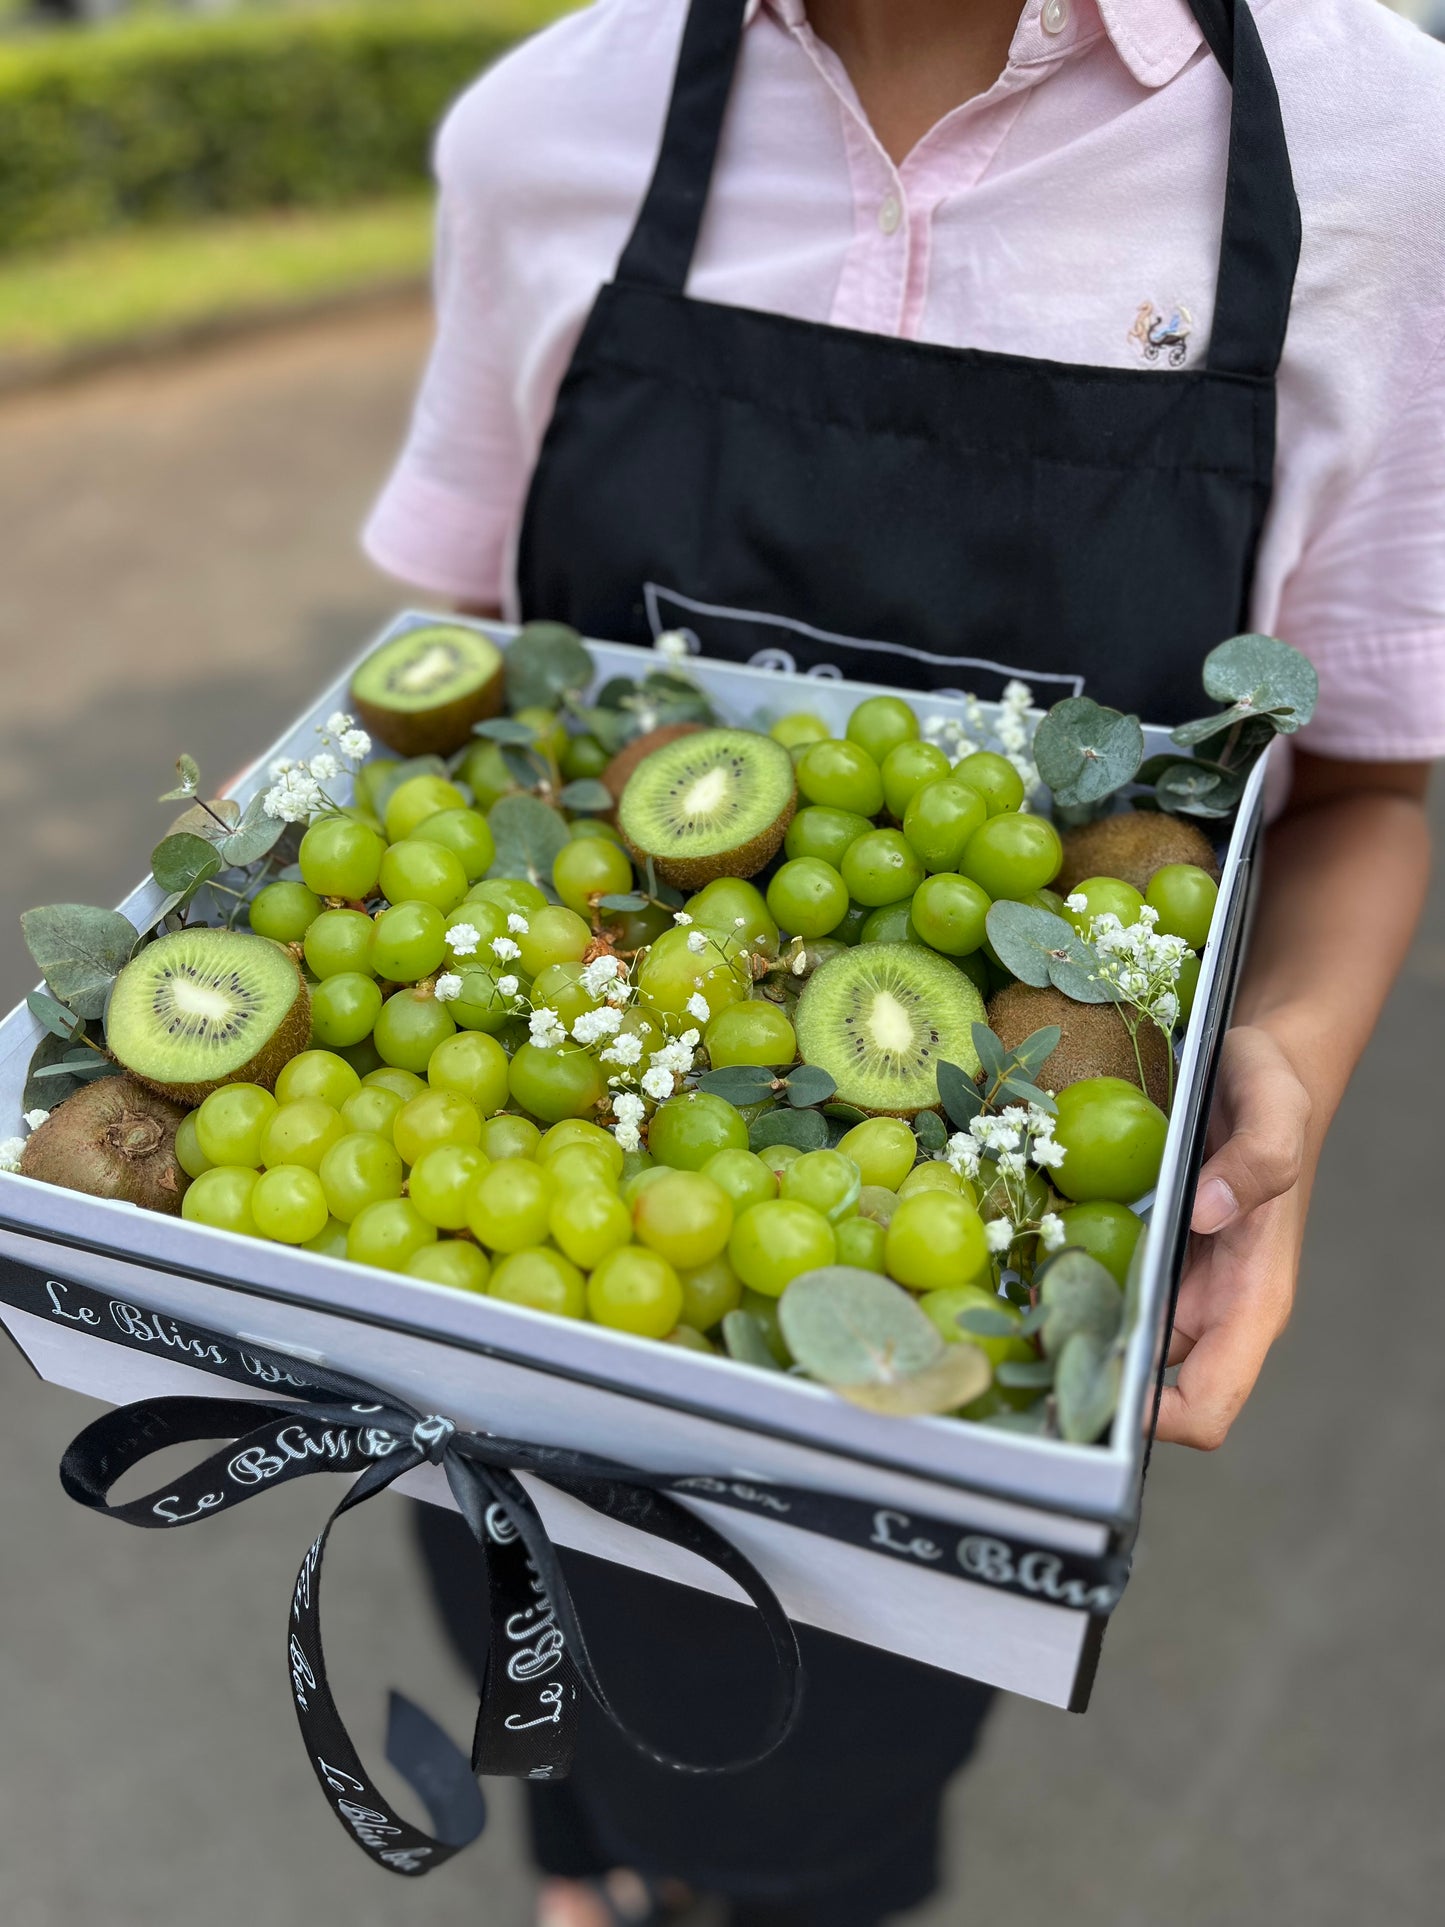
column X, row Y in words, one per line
column 1267, row 1112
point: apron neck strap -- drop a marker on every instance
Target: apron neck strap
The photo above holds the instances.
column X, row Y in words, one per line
column 1259, row 243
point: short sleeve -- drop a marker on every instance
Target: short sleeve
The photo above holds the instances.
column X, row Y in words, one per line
column 445, row 516
column 1366, row 601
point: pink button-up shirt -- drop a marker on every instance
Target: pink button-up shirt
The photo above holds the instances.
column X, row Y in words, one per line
column 1053, row 216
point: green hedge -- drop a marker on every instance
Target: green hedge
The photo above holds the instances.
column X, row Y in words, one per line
column 172, row 119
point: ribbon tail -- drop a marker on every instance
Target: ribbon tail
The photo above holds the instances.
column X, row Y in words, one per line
column 436, row 1770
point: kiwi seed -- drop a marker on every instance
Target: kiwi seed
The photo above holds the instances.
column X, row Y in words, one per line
column 713, row 804
column 1132, row 846
column 421, row 693
column 112, row 1139
column 1095, row 1040
column 880, row 1019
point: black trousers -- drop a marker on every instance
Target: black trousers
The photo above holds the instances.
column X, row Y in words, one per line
column 839, row 1827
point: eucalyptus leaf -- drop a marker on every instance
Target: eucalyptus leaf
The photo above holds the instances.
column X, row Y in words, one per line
column 1040, row 949
column 633, row 900
column 1086, row 1387
column 1082, row 980
column 930, row 1130
column 615, row 691
column 847, row 1326
column 59, row 1021
column 586, row 796
column 1033, row 1422
column 1080, row 1295
column 167, row 906
column 215, row 820
column 960, row 1096
column 189, row 775
column 992, row 1057
column 84, row 1070
column 958, row 1378
column 807, row 1129
column 746, row 1341
column 809, row 1084
column 1085, row 752
column 546, row 664
column 845, row 1114
column 184, row 862
column 982, row 1322
column 1023, row 1090
column 1033, row 1321
column 613, row 728
column 80, row 950
column 506, row 729
column 528, row 835
column 1036, row 1048
column 254, row 837
column 739, row 1083
column 1187, row 791
column 1025, row 1374
column 43, row 1091
column 526, row 767
column 1261, row 674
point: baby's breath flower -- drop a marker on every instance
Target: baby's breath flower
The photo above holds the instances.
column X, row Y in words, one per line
column 697, row 1006
column 626, row 1050
column 1000, row 1234
column 696, row 942
column 672, row 646
column 597, row 975
column 505, row 949
column 507, row 987
column 1051, row 1230
column 961, row 1155
column 1077, row 902
column 1011, row 1164
column 517, row 925
column 336, row 724
column 326, row 767
column 448, row 987
column 658, row 1082
column 593, row 1025
column 740, row 923
column 463, row 939
column 1046, row 1153
column 681, row 916
column 34, row 1119
column 546, row 1029
column 296, row 797
column 10, row 1149
column 354, row 744
column 629, row 1110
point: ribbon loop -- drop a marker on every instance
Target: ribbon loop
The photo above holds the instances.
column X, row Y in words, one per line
column 431, row 1436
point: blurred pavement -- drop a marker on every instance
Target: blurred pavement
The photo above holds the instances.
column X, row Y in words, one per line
column 178, row 570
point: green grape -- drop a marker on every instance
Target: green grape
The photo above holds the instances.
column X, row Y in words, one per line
column 480, row 1006
column 441, row 1183
column 231, row 1122
column 584, row 756
column 673, row 972
column 508, row 1136
column 588, row 868
column 807, row 897
column 995, row 779
column 636, row 929
column 391, row 1077
column 330, row 1240
column 906, row 768
column 317, row 1073
column 485, row 774
column 357, row 1170
column 881, row 868
column 414, row 871
column 409, row 942
column 572, row 1131
column 827, row 1180
column 588, row 1221
column 583, row 1164
column 466, row 834
column 289, row 1204
column 891, row 923
column 340, row 858
column 488, row 920
column 946, row 1305
column 932, row 1175
column 300, row 1132
column 451, row 1261
column 559, row 987
column 774, row 1243
column 513, row 896
column 221, row 1197
column 510, row 1202
column 1107, row 1231
column 778, row 1156
column 991, row 1193
column 685, row 1218
column 843, row 776
column 189, row 1155
column 744, row 1177
column 689, row 1339
column 1013, row 855
column 582, row 827
column 880, row 723
column 760, row 1305
column 694, row 1126
column 344, row 1009
column 472, row 1065
column 412, row 802
column 1185, row 896
column 799, row 728
column 367, row 818
column 709, row 1293
column 388, row 1235
column 547, row 727
column 877, row 1202
column 883, row 1148
column 717, row 907
column 372, row 1108
column 1186, row 984
column 339, row 940
column 935, row 1238
column 1103, row 896
column 362, row 1057
column 1112, row 1138
column 369, row 779
column 635, row 1290
column 824, row 834
column 564, row 1081
column 409, row 1027
column 542, row 1280
column 850, row 930
column 939, row 821
column 634, row 1186
column 433, row 1118
column 284, row 911
column 756, row 1031
column 553, row 935
column 634, row 1161
column 950, row 913
column 861, row 1242
column 1049, row 900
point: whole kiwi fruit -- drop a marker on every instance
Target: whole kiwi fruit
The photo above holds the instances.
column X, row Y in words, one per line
column 1132, row 846
column 112, row 1139
column 1095, row 1040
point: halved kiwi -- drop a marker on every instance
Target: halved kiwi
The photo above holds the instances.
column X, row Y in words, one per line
column 1095, row 1041
column 714, row 804
column 112, row 1139
column 619, row 771
column 1132, row 846
column 881, row 1018
column 207, row 1007
column 421, row 693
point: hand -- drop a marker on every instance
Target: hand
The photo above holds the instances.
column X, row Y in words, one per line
column 1239, row 1279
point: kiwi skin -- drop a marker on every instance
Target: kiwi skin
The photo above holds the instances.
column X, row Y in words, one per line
column 1095, row 1040
column 290, row 1037
column 112, row 1139
column 1132, row 846
column 436, row 731
column 626, row 760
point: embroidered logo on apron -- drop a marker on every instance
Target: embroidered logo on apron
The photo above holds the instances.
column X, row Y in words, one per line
column 1158, row 336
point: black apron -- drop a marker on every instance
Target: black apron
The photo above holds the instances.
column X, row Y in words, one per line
column 848, row 503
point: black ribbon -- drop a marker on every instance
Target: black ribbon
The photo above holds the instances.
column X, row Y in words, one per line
column 326, row 1421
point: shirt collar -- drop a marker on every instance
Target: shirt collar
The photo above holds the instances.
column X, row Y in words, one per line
column 1153, row 38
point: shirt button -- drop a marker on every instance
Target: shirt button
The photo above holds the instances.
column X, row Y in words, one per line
column 1055, row 16
column 890, row 214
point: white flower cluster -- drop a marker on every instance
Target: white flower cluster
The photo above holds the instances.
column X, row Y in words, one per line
column 1009, row 737
column 672, row 645
column 10, row 1149
column 448, row 987
column 298, row 789
column 629, row 1111
column 1140, row 964
column 1015, row 1138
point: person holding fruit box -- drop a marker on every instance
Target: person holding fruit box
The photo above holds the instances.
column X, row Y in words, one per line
column 939, row 343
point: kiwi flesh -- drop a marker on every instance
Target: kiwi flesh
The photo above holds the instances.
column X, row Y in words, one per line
column 1132, row 846
column 1095, row 1040
column 618, row 771
column 204, row 1008
column 716, row 803
column 112, row 1139
column 421, row 693
column 881, row 1018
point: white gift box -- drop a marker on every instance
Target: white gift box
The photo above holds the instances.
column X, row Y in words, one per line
column 501, row 1368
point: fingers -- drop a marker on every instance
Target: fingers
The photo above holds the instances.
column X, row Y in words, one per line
column 1266, row 1110
column 1214, row 1381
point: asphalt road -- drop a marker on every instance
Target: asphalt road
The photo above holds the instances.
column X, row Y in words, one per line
column 178, row 570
